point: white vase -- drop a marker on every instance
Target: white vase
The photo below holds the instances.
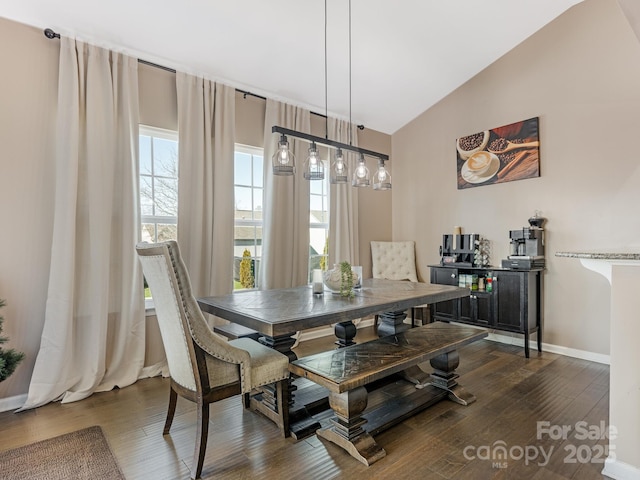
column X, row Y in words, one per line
column 333, row 278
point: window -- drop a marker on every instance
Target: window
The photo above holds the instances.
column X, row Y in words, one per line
column 158, row 184
column 318, row 223
column 248, row 186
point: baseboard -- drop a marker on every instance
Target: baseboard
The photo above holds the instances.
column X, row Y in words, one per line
column 548, row 347
column 12, row 403
column 618, row 470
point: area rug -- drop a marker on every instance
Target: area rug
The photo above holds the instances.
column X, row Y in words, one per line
column 84, row 454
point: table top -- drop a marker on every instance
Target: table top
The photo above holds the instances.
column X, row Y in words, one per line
column 346, row 368
column 285, row 311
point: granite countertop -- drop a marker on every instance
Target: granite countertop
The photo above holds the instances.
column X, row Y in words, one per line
column 601, row 255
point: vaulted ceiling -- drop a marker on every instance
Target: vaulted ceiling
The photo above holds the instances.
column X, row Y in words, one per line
column 405, row 55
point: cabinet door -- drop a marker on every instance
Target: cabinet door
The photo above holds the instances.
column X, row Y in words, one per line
column 445, row 276
column 481, row 310
column 509, row 304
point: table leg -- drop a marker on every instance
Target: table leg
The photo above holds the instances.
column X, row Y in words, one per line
column 345, row 332
column 301, row 422
column 346, row 430
column 392, row 323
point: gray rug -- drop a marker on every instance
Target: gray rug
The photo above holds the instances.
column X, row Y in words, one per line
column 84, row 454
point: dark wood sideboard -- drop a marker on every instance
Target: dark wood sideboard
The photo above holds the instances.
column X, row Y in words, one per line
column 515, row 303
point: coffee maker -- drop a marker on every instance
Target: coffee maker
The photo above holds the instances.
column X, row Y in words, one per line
column 526, row 246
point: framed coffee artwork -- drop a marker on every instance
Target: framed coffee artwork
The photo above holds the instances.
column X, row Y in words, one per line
column 502, row 154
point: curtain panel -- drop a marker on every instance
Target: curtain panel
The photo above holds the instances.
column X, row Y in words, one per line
column 285, row 233
column 94, row 329
column 206, row 133
column 343, row 202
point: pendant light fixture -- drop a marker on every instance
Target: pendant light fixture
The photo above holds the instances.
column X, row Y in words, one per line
column 361, row 174
column 284, row 161
column 381, row 179
column 313, row 167
column 339, row 169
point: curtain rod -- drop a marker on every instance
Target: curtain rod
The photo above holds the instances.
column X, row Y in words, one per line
column 50, row 34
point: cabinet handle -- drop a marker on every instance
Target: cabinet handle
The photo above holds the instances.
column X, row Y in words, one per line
column 453, row 275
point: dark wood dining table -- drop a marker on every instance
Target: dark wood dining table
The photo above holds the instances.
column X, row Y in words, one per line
column 280, row 313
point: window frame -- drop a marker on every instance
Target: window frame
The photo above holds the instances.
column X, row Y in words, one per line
column 165, row 134
column 254, row 223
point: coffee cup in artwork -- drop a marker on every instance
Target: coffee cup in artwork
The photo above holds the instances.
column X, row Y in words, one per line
column 479, row 162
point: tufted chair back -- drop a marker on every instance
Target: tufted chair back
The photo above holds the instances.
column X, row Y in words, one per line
column 394, row 260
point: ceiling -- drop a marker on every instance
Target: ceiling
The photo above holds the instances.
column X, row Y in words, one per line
column 405, row 55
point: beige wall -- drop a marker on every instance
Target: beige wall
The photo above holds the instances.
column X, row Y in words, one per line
column 581, row 76
column 28, row 91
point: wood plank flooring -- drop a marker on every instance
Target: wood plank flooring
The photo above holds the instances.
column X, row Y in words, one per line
column 447, row 441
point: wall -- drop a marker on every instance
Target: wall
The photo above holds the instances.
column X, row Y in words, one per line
column 581, row 76
column 28, row 93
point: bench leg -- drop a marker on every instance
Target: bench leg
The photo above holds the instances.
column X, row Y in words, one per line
column 346, row 430
column 445, row 377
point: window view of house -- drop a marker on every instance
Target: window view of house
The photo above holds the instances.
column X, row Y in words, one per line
column 158, row 184
column 247, row 244
column 248, row 187
column 318, row 223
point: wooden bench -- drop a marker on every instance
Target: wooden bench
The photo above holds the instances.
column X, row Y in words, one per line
column 234, row 330
column 346, row 371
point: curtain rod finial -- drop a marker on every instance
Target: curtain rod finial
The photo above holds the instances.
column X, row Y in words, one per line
column 50, row 34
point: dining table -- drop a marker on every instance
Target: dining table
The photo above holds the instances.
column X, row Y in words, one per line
column 279, row 314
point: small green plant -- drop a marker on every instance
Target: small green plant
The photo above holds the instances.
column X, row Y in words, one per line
column 246, row 274
column 325, row 251
column 346, row 280
column 9, row 359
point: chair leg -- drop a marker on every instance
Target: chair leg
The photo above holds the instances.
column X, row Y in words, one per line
column 201, row 439
column 282, row 398
column 173, row 399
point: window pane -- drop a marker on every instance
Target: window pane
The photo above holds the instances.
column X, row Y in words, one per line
column 149, row 232
column 257, row 203
column 315, row 203
column 242, row 169
column 243, row 200
column 145, row 154
column 315, row 186
column 166, row 196
column 167, row 232
column 146, row 196
column 165, row 157
column 257, row 170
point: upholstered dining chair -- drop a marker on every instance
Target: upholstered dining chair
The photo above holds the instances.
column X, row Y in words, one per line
column 394, row 261
column 205, row 367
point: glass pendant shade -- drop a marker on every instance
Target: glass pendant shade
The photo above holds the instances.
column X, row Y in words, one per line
column 360, row 174
column 313, row 166
column 339, row 169
column 283, row 161
column 381, row 179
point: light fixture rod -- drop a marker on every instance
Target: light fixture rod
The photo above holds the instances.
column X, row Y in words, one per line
column 326, row 142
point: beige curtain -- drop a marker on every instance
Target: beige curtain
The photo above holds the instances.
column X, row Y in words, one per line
column 94, row 329
column 343, row 203
column 285, row 233
column 206, row 132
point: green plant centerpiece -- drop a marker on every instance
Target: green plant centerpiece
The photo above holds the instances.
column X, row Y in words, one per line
column 346, row 280
column 9, row 359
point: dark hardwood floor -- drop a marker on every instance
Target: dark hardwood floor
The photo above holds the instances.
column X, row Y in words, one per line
column 445, row 441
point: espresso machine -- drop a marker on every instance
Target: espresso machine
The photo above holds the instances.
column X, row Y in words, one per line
column 526, row 246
